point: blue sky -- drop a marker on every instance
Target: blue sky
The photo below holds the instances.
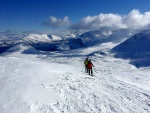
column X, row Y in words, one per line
column 48, row 15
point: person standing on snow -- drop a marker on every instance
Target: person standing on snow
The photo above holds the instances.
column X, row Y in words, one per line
column 89, row 66
column 86, row 63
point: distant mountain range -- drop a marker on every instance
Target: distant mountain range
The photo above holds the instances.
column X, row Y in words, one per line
column 49, row 42
column 42, row 42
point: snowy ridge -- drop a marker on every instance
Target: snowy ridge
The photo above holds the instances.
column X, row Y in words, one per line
column 21, row 48
column 43, row 38
column 136, row 48
column 138, row 43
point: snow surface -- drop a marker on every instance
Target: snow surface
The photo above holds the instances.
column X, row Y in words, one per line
column 56, row 82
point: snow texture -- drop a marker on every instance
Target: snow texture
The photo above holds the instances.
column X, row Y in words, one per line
column 56, row 82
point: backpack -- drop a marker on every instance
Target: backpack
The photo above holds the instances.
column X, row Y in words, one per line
column 90, row 65
column 86, row 62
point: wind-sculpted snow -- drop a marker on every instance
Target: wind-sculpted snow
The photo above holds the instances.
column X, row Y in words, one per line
column 56, row 82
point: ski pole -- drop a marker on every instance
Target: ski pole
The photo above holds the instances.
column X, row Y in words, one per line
column 82, row 68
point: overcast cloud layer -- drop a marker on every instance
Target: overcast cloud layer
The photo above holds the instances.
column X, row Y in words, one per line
column 134, row 20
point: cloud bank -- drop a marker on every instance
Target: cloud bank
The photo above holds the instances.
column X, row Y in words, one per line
column 134, row 20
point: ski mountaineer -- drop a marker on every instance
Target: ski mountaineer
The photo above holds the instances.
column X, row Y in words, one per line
column 89, row 66
column 86, row 63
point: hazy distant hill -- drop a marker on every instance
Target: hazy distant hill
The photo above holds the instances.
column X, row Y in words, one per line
column 97, row 36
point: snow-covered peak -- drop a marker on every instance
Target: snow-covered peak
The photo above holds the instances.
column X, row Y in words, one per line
column 42, row 38
column 137, row 43
column 37, row 38
column 136, row 48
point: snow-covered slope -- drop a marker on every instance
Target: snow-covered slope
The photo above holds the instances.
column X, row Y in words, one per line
column 136, row 48
column 55, row 82
column 138, row 43
column 21, row 48
column 7, row 43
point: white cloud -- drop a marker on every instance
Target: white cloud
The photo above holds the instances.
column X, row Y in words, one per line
column 134, row 20
column 100, row 21
column 57, row 23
